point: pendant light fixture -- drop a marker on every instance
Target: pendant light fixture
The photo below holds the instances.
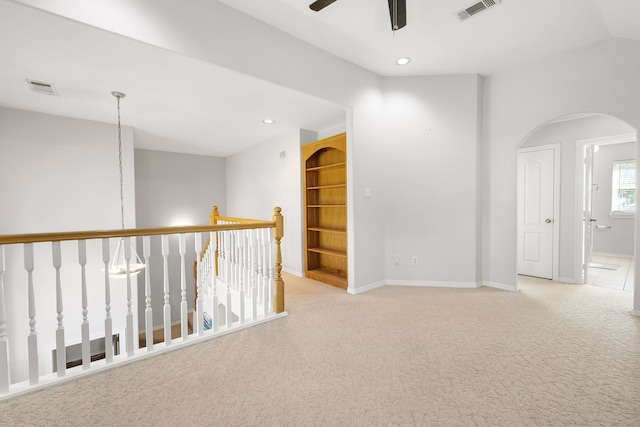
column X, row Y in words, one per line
column 118, row 264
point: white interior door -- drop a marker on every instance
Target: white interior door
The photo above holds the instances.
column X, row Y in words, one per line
column 536, row 187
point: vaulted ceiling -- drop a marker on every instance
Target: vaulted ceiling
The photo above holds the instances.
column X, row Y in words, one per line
column 510, row 34
column 187, row 105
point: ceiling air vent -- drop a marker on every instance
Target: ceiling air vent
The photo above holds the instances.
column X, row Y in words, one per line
column 476, row 8
column 42, row 87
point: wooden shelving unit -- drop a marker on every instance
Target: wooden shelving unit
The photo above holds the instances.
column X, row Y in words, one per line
column 325, row 202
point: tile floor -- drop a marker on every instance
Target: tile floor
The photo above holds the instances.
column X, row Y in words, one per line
column 620, row 278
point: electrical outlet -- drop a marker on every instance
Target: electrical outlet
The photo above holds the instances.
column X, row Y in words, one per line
column 414, row 260
column 396, row 260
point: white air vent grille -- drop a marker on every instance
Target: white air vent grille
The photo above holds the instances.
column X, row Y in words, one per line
column 42, row 87
column 476, row 8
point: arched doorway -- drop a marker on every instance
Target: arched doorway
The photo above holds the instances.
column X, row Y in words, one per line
column 567, row 137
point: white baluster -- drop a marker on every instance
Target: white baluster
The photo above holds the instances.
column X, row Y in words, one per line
column 184, row 326
column 238, row 261
column 214, row 282
column 260, row 257
column 84, row 327
column 229, row 256
column 242, row 277
column 61, row 354
column 108, row 322
column 233, row 276
column 265, row 269
column 32, row 339
column 223, row 265
column 167, row 297
column 253, row 254
column 198, row 323
column 271, row 282
column 129, row 328
column 5, row 379
column 148, row 311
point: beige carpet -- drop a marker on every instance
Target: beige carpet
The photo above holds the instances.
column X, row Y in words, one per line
column 551, row 354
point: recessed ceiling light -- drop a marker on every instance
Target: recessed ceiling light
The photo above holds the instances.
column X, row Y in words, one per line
column 268, row 121
column 403, row 61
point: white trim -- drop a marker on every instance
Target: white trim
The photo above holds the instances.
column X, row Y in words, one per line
column 607, row 140
column 351, row 219
column 362, row 289
column 579, row 192
column 570, row 280
column 622, row 215
column 431, row 284
column 557, row 152
column 635, row 312
column 501, row 286
column 423, row 283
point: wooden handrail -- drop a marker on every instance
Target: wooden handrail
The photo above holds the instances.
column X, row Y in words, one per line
column 129, row 232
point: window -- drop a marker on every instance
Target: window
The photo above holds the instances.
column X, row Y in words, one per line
column 623, row 191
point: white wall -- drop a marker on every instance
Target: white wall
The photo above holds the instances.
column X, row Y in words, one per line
column 266, row 176
column 174, row 189
column 599, row 78
column 567, row 133
column 60, row 174
column 617, row 240
column 431, row 170
column 223, row 36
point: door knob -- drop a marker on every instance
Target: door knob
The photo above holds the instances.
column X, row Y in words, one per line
column 548, row 220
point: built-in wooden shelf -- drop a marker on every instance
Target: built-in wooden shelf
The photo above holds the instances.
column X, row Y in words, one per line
column 321, row 187
column 325, row 221
column 328, row 251
column 333, row 277
column 328, row 166
column 327, row 230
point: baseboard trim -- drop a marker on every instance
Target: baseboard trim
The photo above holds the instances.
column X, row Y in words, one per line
column 501, row 286
column 635, row 312
column 569, row 280
column 362, row 289
column 429, row 284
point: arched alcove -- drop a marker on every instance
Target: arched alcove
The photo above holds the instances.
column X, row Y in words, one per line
column 565, row 137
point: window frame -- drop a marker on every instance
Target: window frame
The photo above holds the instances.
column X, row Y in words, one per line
column 614, row 190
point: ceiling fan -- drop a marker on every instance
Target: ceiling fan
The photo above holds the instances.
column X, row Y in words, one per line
column 397, row 11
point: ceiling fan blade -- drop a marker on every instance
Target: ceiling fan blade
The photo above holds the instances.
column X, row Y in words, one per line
column 320, row 4
column 398, row 13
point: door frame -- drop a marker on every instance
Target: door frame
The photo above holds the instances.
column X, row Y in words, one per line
column 580, row 249
column 557, row 147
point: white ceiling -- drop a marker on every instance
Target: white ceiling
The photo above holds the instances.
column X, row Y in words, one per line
column 175, row 103
column 507, row 35
column 181, row 104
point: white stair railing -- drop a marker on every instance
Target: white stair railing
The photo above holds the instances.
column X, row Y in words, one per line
column 241, row 278
column 236, row 288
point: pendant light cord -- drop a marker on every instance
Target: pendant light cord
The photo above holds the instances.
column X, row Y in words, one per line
column 120, row 164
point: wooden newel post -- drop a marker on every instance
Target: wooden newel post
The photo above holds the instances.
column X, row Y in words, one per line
column 278, row 305
column 215, row 213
